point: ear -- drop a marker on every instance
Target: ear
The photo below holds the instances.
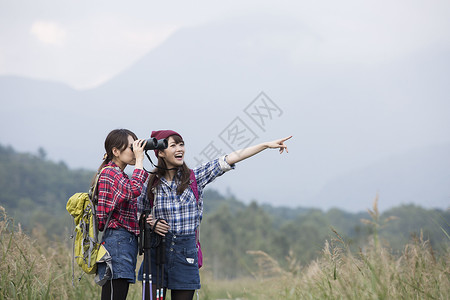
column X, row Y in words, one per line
column 115, row 151
column 161, row 154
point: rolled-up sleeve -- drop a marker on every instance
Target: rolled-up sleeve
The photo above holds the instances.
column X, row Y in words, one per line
column 224, row 165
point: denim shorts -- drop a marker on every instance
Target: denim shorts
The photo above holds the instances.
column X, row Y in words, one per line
column 122, row 245
column 181, row 267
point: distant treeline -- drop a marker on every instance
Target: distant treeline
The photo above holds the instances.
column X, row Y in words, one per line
column 34, row 192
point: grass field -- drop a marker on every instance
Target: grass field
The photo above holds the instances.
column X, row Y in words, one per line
column 35, row 268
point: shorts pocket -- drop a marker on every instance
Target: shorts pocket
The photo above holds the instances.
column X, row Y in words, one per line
column 188, row 257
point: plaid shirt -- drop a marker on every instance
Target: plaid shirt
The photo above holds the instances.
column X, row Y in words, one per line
column 118, row 193
column 181, row 211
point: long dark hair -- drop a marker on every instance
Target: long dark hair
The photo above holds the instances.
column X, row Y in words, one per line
column 161, row 169
column 118, row 138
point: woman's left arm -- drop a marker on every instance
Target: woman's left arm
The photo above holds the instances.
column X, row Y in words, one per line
column 242, row 154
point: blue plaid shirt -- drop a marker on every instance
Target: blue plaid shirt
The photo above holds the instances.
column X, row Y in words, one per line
column 182, row 211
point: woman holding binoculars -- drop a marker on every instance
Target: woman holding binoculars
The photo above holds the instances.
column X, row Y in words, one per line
column 117, row 208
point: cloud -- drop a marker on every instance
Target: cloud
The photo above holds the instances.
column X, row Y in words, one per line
column 49, row 33
column 98, row 43
column 148, row 38
column 112, row 46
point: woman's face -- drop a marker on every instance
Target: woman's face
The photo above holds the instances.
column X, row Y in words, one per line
column 126, row 156
column 174, row 154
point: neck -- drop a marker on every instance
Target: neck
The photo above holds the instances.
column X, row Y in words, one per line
column 120, row 164
column 170, row 174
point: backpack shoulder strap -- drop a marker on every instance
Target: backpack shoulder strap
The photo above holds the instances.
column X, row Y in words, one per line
column 154, row 184
column 194, row 187
column 93, row 197
column 193, row 184
column 93, row 191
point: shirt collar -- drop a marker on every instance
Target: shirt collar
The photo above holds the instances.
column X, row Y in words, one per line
column 170, row 184
column 113, row 164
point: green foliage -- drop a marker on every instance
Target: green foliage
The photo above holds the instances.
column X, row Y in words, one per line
column 414, row 221
column 228, row 234
column 36, row 268
column 33, row 189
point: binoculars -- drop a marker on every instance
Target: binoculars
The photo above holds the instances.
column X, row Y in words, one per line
column 155, row 144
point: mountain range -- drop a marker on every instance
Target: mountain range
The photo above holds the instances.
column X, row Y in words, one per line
column 359, row 129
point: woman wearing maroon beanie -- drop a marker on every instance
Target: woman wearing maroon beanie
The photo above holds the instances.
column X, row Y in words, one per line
column 178, row 208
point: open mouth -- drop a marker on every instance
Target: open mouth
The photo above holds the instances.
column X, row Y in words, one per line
column 179, row 156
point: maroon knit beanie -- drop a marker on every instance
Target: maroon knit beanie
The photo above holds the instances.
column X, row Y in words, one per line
column 163, row 134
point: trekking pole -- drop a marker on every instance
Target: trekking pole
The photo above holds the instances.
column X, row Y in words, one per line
column 144, row 278
column 141, row 250
column 145, row 247
column 160, row 257
column 163, row 261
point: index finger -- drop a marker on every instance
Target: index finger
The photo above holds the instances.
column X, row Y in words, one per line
column 287, row 138
column 139, row 143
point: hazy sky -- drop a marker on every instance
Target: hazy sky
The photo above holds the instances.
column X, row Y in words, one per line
column 85, row 43
column 359, row 81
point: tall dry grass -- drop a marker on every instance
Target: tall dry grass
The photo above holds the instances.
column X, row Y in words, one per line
column 416, row 273
column 30, row 270
column 374, row 272
column 35, row 268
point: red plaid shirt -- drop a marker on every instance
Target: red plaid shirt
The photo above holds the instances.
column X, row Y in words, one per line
column 118, row 193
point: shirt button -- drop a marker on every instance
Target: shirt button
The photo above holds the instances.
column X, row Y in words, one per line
column 171, row 249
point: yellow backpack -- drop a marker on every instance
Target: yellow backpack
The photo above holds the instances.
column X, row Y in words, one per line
column 87, row 249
